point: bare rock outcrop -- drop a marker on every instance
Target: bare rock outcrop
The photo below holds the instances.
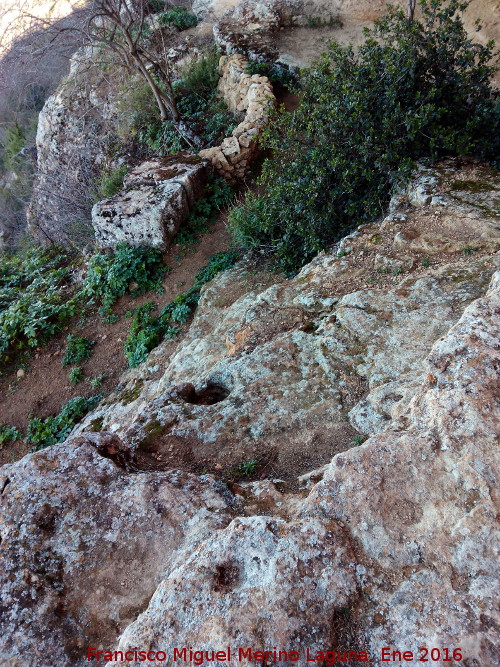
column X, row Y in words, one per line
column 84, row 543
column 155, row 200
column 339, row 544
column 400, row 538
column 72, row 136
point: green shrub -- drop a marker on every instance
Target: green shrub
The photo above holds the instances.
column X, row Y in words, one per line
column 78, row 349
column 8, row 434
column 45, row 432
column 413, row 90
column 148, row 331
column 180, row 17
column 279, row 74
column 109, row 276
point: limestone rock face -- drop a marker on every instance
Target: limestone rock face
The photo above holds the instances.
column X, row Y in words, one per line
column 399, row 539
column 283, row 580
column 420, row 501
column 85, row 542
column 72, row 135
column 154, row 202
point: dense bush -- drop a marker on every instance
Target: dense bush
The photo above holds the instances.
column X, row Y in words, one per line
column 180, row 17
column 414, row 90
column 148, row 331
column 45, row 432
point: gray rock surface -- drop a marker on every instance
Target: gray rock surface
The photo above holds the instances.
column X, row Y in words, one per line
column 85, row 542
column 154, row 202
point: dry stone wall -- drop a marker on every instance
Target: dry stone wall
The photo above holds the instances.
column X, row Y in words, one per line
column 251, row 95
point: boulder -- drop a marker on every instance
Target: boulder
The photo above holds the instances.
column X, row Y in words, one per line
column 85, row 541
column 154, row 202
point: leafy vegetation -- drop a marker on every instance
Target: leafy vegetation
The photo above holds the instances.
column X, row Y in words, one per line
column 413, row 90
column 180, row 17
column 45, row 432
column 76, row 375
column 277, row 73
column 78, row 349
column 111, row 182
column 218, row 195
column 36, row 299
column 96, row 382
column 148, row 331
column 197, row 101
column 8, row 434
column 38, row 296
column 110, row 275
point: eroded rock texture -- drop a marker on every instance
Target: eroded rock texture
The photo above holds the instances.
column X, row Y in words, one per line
column 120, row 538
column 155, row 200
column 85, row 542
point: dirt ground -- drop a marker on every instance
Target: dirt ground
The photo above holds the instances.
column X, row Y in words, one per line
column 45, row 387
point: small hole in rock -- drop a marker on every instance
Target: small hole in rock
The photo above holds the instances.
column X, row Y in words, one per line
column 210, row 394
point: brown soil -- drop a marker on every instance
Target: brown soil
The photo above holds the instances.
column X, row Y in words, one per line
column 45, row 387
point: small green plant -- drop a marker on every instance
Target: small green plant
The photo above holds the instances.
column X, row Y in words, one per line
column 78, row 349
column 341, row 253
column 469, row 250
column 426, row 262
column 75, row 375
column 96, row 382
column 45, row 432
column 111, row 183
column 358, row 440
column 147, row 330
column 180, row 17
column 109, row 276
column 247, row 468
column 8, row 434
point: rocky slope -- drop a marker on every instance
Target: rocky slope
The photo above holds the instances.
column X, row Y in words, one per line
column 134, row 533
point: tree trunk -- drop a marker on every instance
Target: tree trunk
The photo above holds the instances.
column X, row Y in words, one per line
column 411, row 9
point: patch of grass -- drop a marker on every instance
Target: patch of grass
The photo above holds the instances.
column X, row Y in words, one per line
column 78, row 349
column 45, row 432
column 111, row 183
